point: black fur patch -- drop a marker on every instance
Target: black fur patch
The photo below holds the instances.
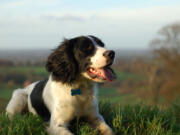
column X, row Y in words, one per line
column 38, row 102
column 98, row 41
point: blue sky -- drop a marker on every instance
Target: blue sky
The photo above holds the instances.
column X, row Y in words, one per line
column 124, row 24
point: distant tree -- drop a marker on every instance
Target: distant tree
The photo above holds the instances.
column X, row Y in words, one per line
column 152, row 72
column 167, row 51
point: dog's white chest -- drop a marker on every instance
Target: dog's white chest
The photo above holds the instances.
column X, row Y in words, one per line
column 62, row 98
column 81, row 103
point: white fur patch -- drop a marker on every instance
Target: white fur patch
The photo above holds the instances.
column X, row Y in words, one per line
column 98, row 60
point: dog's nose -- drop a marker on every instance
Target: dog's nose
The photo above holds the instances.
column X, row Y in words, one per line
column 109, row 54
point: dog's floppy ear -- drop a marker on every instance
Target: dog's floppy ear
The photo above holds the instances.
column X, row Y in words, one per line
column 62, row 64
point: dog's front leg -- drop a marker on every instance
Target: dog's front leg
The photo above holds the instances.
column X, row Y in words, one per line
column 97, row 120
column 59, row 121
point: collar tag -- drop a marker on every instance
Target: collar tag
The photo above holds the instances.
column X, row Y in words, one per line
column 75, row 92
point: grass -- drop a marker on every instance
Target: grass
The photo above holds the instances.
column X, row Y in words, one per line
column 21, row 125
column 126, row 120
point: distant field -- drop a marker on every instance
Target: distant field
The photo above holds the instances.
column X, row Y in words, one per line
column 22, row 73
column 5, row 94
column 127, row 75
column 37, row 73
column 3, row 103
column 24, row 69
column 104, row 94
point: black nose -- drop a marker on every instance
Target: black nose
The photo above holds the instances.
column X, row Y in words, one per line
column 109, row 54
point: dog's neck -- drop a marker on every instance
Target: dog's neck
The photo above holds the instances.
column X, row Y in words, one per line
column 80, row 83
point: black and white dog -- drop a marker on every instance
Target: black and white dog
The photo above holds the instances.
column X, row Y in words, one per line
column 70, row 91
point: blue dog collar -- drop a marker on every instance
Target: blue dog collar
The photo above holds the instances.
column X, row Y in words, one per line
column 75, row 92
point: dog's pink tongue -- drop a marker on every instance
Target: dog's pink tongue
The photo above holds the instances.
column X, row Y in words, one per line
column 106, row 74
column 109, row 74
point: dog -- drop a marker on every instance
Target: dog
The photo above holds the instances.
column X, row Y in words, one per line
column 75, row 66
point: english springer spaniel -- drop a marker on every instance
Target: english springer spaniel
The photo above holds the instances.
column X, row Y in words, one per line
column 70, row 91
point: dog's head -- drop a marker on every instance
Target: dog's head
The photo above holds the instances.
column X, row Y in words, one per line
column 81, row 56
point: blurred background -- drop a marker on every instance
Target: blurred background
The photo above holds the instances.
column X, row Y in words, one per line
column 144, row 34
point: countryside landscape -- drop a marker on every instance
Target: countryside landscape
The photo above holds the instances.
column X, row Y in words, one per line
column 143, row 100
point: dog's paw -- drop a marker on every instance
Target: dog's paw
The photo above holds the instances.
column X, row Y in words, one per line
column 105, row 129
column 108, row 132
column 58, row 131
column 66, row 133
column 10, row 116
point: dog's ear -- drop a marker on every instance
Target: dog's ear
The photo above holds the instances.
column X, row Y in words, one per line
column 62, row 64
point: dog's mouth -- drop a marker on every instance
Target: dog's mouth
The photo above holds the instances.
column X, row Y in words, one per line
column 104, row 73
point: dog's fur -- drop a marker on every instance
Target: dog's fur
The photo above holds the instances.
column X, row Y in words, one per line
column 52, row 99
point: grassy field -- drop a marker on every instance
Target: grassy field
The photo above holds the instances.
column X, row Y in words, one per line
column 126, row 120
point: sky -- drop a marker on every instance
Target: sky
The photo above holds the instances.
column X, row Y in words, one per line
column 121, row 24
